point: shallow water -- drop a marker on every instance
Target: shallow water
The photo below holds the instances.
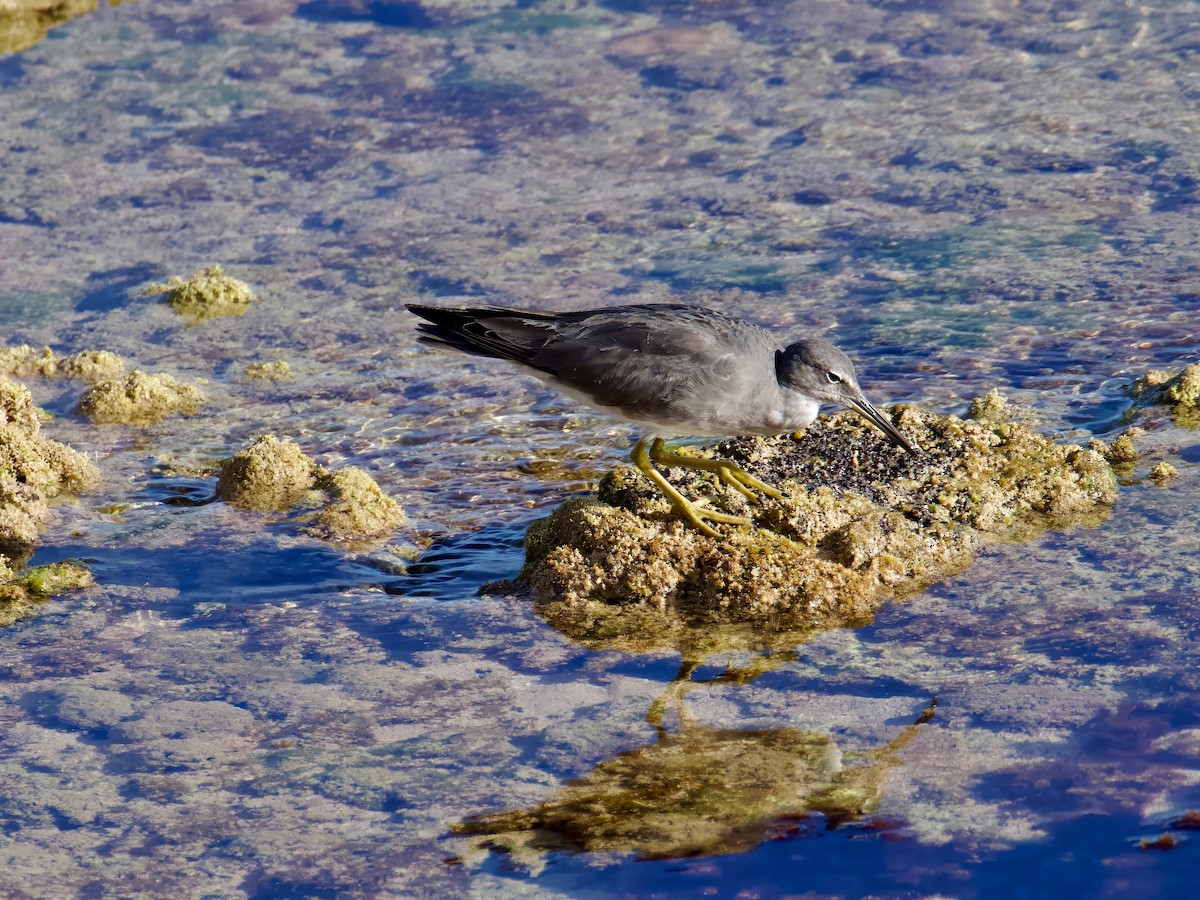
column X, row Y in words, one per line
column 965, row 195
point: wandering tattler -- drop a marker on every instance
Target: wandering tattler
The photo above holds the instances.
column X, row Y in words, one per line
column 674, row 370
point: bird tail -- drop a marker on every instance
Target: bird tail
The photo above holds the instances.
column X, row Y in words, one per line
column 484, row 330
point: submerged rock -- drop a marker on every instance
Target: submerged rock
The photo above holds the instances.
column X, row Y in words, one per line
column 208, row 294
column 861, row 522
column 276, row 370
column 20, row 595
column 139, row 399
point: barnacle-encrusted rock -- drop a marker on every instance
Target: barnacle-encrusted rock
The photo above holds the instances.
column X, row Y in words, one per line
column 861, row 522
column 1178, row 393
column 1121, row 452
column 91, row 366
column 358, row 509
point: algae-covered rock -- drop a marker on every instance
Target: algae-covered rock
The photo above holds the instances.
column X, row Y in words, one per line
column 1120, row 452
column 861, row 522
column 33, row 470
column 20, row 595
column 269, row 475
column 58, row 578
column 17, row 408
column 87, row 365
column 15, row 604
column 1179, row 393
column 1181, row 389
column 991, row 407
column 275, row 370
column 24, row 361
column 1163, row 473
column 23, row 512
column 274, row 476
column 91, row 366
column 139, row 399
column 357, row 510
column 206, row 295
column 24, row 23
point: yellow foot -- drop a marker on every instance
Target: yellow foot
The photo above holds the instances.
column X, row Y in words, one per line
column 739, row 479
column 729, row 472
column 695, row 512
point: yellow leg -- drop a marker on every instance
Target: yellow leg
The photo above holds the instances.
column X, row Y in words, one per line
column 684, row 507
column 731, row 473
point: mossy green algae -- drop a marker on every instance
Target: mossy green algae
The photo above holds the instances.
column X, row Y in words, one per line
column 861, row 522
column 21, row 594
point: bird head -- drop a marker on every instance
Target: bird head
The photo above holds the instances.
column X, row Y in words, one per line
column 821, row 371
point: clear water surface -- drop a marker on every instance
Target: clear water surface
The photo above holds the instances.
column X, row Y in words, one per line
column 965, row 195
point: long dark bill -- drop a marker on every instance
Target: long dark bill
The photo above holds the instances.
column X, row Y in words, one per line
column 884, row 424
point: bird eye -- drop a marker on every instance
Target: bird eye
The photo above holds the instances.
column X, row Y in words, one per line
column 833, row 379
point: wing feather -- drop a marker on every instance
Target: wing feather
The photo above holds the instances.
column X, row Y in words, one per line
column 651, row 362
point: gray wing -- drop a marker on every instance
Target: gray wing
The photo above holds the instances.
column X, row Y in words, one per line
column 651, row 362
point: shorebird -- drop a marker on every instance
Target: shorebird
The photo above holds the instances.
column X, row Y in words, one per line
column 674, row 371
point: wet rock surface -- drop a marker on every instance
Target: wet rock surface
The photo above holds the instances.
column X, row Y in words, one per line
column 861, row 522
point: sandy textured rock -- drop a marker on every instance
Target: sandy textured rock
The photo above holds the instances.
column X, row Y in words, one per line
column 270, row 474
column 139, row 399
